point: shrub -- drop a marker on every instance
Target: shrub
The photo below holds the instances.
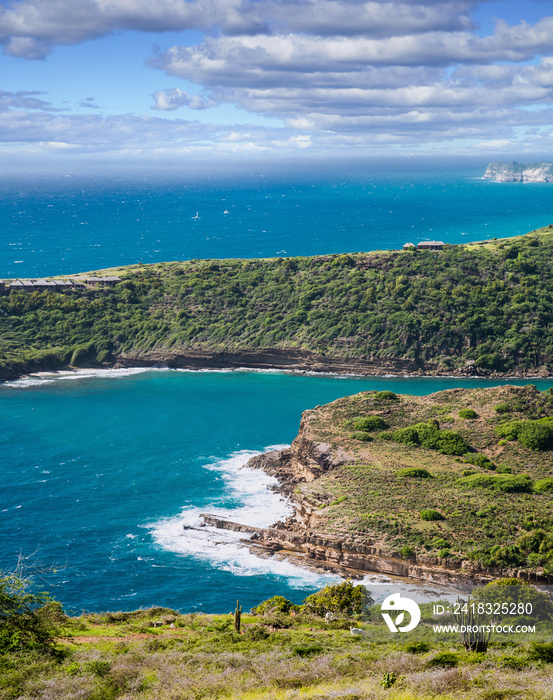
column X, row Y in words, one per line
column 339, row 598
column 417, row 648
column 415, row 473
column 531, row 541
column 98, row 667
column 385, row 396
column 468, row 414
column 445, row 441
column 256, row 633
column 535, row 435
column 307, row 649
column 28, row 621
column 498, row 482
column 479, row 460
column 446, row 659
column 544, row 485
column 408, row 436
column 276, row 604
column 508, row 430
column 513, row 662
column 502, row 408
column 430, row 514
column 102, row 356
column 369, row 423
column 504, row 555
column 513, row 591
column 542, row 651
column 407, row 552
column 451, row 443
column 364, row 437
column 504, row 469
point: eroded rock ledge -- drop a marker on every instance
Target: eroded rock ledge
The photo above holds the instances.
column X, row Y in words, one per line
column 350, row 553
column 298, row 360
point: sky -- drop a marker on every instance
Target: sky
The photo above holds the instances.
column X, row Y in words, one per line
column 177, row 80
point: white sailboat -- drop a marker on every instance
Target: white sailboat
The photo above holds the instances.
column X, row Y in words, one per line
column 197, row 215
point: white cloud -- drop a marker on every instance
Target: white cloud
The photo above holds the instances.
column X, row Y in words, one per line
column 168, row 100
column 337, row 73
column 31, row 28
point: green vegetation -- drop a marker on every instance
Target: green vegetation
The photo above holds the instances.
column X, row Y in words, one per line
column 415, row 473
column 499, row 513
column 447, row 442
column 468, row 414
column 369, row 423
column 498, row 482
column 284, row 652
column 479, row 460
column 490, row 306
column 544, row 486
column 534, row 434
column 343, row 598
column 429, row 514
column 28, row 620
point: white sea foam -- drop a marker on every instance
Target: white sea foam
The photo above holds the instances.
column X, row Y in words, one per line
column 260, row 506
column 42, row 378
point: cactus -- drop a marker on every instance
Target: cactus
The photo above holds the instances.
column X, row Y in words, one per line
column 475, row 639
column 237, row 616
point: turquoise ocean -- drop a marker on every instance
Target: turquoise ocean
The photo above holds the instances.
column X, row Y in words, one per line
column 101, row 470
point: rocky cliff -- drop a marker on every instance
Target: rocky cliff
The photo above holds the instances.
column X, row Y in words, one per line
column 519, row 172
column 356, row 510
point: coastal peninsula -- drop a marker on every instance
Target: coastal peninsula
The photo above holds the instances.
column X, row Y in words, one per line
column 454, row 487
column 480, row 309
column 519, row 172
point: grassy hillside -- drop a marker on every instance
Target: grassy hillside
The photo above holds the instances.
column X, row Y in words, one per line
column 276, row 657
column 486, row 306
column 460, row 477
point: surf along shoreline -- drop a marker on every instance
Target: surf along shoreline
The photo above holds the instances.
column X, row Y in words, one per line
column 276, row 359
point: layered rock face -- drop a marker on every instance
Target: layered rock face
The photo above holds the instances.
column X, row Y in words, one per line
column 519, row 172
column 305, row 461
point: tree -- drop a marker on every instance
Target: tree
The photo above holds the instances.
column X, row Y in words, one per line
column 27, row 620
column 340, row 598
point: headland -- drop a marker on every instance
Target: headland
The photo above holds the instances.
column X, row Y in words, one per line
column 481, row 309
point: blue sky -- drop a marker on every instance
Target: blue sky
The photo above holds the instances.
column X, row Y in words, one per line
column 139, row 79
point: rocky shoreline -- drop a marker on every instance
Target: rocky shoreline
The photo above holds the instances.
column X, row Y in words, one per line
column 348, row 554
column 292, row 360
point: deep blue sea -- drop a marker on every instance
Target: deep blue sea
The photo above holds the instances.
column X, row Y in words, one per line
column 100, row 471
column 63, row 224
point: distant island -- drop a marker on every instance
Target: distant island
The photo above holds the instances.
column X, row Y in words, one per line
column 519, row 172
column 479, row 309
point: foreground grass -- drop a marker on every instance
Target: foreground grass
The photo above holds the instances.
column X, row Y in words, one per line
column 195, row 656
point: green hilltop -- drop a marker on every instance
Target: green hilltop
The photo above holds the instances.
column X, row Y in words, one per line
column 478, row 308
column 460, row 479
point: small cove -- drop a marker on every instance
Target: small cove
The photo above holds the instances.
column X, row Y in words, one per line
column 102, row 470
